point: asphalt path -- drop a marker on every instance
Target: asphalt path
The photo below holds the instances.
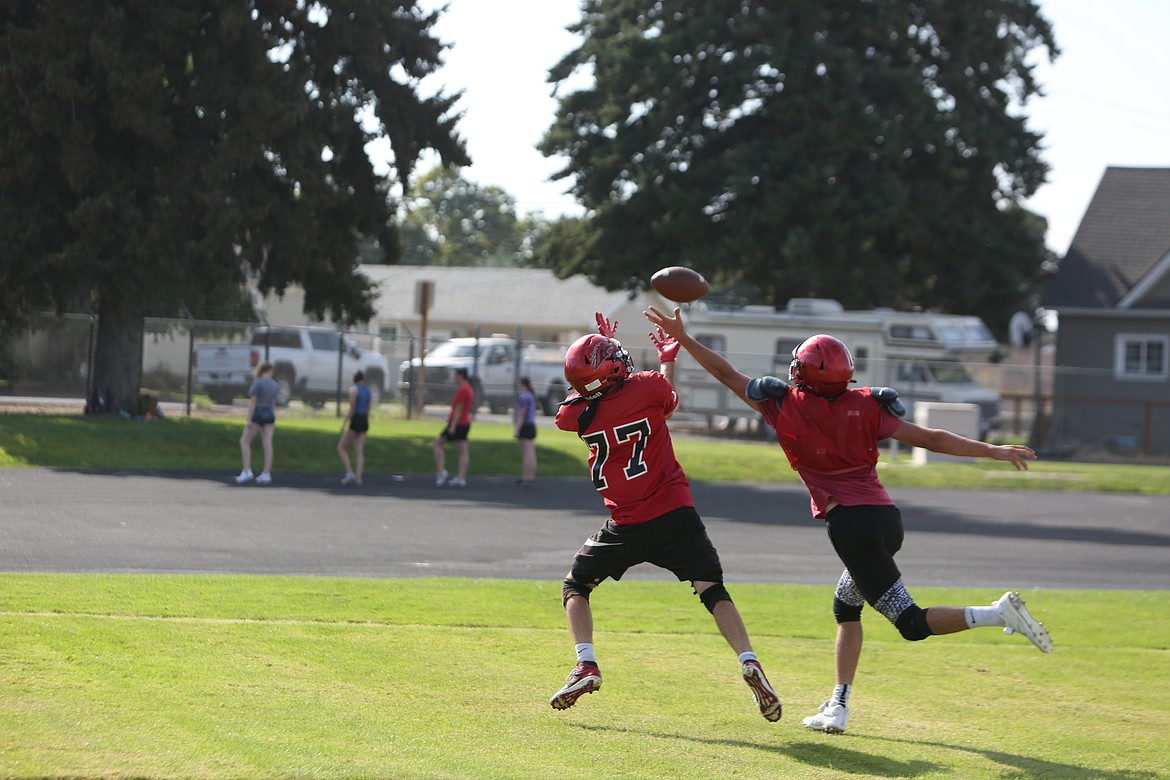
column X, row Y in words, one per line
column 55, row 520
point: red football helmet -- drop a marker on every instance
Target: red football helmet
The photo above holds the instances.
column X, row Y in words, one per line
column 823, row 365
column 594, row 363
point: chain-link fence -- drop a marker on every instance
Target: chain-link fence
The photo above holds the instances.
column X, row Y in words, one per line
column 1037, row 402
column 198, row 362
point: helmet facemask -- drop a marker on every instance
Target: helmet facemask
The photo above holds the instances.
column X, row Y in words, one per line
column 595, row 364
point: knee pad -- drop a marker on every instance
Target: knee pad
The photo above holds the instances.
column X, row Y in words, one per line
column 846, row 612
column 570, row 587
column 911, row 624
column 713, row 595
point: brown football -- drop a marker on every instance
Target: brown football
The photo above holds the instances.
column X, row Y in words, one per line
column 679, row 284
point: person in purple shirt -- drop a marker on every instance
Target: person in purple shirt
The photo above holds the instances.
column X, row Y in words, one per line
column 354, row 428
column 524, row 420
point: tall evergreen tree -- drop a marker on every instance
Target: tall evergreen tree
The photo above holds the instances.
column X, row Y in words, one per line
column 163, row 152
column 872, row 151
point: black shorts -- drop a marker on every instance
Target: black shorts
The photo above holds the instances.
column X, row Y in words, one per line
column 359, row 423
column 866, row 539
column 527, row 431
column 676, row 541
column 457, row 433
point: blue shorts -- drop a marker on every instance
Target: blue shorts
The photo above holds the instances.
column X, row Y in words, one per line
column 264, row 415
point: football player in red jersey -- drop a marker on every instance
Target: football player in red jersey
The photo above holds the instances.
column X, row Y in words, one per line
column 621, row 414
column 830, row 434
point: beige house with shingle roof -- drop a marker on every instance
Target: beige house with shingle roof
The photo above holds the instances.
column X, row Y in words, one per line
column 531, row 301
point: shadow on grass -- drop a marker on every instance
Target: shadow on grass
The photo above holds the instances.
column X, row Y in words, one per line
column 816, row 754
column 1027, row 766
column 830, row 754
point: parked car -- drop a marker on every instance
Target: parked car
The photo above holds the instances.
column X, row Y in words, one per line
column 312, row 363
column 494, row 364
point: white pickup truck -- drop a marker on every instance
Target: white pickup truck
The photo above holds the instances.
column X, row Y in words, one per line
column 305, row 363
column 494, row 364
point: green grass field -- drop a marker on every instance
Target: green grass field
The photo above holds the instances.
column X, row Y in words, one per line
column 128, row 676
column 225, row 677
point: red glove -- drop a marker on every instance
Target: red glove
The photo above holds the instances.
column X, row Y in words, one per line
column 604, row 327
column 667, row 346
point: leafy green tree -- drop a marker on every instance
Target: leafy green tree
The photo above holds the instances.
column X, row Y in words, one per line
column 873, row 152
column 450, row 220
column 156, row 153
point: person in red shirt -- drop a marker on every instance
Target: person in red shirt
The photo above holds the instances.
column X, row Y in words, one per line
column 830, row 435
column 621, row 414
column 456, row 430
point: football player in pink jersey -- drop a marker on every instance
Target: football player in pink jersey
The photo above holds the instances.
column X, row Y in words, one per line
column 621, row 414
column 830, row 434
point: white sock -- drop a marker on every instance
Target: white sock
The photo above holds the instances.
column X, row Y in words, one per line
column 585, row 653
column 745, row 656
column 841, row 694
column 982, row 617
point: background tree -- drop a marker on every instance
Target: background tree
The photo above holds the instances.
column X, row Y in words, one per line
column 164, row 152
column 872, row 152
column 450, row 220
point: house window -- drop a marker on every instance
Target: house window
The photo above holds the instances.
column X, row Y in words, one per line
column 1141, row 356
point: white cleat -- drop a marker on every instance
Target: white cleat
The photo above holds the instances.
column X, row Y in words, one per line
column 1017, row 620
column 830, row 718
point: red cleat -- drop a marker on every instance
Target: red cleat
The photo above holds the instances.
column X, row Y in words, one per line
column 586, row 678
column 762, row 693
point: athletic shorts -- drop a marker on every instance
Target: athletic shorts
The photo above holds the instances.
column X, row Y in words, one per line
column 676, row 541
column 456, row 433
column 359, row 423
column 527, row 431
column 866, row 538
column 264, row 415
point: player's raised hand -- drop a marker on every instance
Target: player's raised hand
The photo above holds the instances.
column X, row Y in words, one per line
column 605, row 327
column 671, row 326
column 667, row 346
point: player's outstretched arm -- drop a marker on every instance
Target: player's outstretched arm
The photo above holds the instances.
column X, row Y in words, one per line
column 948, row 443
column 712, row 362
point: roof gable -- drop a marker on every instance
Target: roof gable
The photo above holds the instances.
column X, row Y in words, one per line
column 1120, row 244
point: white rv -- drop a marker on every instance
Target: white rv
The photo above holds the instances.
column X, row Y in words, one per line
column 919, row 354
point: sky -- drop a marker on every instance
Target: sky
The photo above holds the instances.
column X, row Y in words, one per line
column 1106, row 103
